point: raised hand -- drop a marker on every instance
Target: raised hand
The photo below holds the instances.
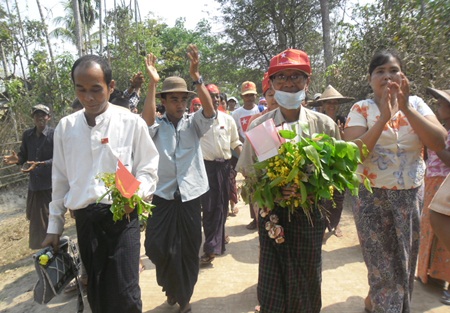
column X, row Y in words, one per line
column 150, row 62
column 11, row 159
column 192, row 52
column 137, row 80
column 402, row 92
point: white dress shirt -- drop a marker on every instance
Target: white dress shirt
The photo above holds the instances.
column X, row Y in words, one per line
column 81, row 152
column 223, row 137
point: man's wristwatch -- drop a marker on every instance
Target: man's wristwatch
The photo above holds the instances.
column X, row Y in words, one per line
column 198, row 82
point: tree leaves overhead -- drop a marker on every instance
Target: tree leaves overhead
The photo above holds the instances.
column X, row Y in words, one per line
column 253, row 32
column 419, row 30
column 260, row 29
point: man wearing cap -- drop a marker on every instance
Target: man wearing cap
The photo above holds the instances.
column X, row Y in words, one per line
column 290, row 273
column 217, row 145
column 329, row 101
column 268, row 93
column 196, row 104
column 242, row 116
column 174, row 235
column 262, row 104
column 232, row 103
column 35, row 156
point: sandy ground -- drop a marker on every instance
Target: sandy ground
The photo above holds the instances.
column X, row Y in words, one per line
column 229, row 285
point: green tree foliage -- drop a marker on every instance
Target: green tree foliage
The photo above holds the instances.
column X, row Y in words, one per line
column 254, row 31
column 259, row 29
column 418, row 30
column 67, row 29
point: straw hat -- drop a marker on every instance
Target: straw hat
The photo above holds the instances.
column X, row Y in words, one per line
column 439, row 93
column 330, row 94
column 174, row 84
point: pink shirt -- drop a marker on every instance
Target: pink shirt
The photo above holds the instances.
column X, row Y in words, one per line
column 435, row 166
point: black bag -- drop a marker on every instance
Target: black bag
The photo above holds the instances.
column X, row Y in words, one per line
column 55, row 271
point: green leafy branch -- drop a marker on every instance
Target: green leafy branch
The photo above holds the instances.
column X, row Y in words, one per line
column 119, row 202
column 316, row 166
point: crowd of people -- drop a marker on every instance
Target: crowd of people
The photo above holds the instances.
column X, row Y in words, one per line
column 186, row 152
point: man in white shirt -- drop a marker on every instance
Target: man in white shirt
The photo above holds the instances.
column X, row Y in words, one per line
column 249, row 108
column 217, row 145
column 242, row 117
column 87, row 143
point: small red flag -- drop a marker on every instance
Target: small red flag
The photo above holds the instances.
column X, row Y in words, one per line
column 125, row 181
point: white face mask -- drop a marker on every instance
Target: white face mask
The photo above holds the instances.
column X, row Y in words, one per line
column 288, row 100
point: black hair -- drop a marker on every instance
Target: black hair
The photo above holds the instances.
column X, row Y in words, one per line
column 76, row 104
column 121, row 101
column 223, row 96
column 116, row 93
column 160, row 109
column 382, row 57
column 90, row 59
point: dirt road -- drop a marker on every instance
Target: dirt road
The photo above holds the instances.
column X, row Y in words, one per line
column 229, row 285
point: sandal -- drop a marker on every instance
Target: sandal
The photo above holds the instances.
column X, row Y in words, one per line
column 141, row 268
column 171, row 300
column 234, row 211
column 368, row 305
column 257, row 309
column 338, row 232
column 445, row 299
column 186, row 309
column 206, row 259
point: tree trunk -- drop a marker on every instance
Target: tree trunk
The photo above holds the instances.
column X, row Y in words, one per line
column 16, row 43
column 136, row 23
column 22, row 33
column 107, row 39
column 326, row 28
column 5, row 64
column 115, row 23
column 52, row 59
column 78, row 28
column 100, row 27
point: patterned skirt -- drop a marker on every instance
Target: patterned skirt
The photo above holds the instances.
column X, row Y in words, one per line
column 290, row 273
column 434, row 259
column 388, row 225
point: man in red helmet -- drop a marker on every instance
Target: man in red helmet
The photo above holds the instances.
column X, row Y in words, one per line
column 290, row 273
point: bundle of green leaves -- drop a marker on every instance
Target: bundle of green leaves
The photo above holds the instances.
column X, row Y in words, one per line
column 316, row 166
column 119, row 202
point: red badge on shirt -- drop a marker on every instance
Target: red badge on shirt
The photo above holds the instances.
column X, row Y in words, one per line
column 104, row 141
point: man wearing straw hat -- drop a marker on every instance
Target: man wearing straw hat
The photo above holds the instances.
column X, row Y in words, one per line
column 329, row 101
column 173, row 235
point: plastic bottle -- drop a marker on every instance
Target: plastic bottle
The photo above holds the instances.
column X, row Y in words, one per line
column 45, row 258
